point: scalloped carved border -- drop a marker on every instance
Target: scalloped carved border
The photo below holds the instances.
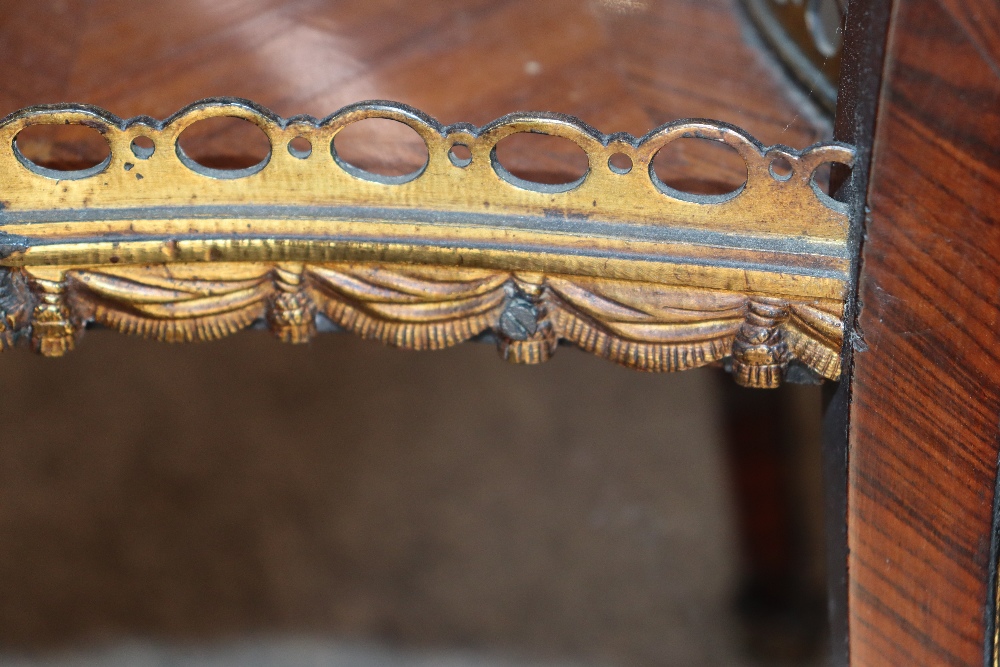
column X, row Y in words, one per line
column 644, row 326
column 150, row 243
column 769, row 203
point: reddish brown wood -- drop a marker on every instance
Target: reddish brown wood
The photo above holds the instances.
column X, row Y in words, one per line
column 925, row 391
column 620, row 66
column 779, row 602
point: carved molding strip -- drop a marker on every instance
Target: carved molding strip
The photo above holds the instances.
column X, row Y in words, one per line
column 150, row 243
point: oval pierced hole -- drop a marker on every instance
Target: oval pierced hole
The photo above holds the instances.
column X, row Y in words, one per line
column 224, row 147
column 300, row 147
column 540, row 162
column 829, row 176
column 460, row 155
column 380, row 149
column 709, row 170
column 620, row 163
column 143, row 148
column 781, row 169
column 821, row 177
column 62, row 151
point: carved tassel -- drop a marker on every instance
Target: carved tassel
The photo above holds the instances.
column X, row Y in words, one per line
column 16, row 305
column 53, row 332
column 760, row 353
column 525, row 334
column 292, row 312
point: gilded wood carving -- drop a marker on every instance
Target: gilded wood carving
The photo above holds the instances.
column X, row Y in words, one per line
column 151, row 243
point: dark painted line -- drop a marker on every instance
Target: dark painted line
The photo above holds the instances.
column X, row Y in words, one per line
column 576, row 226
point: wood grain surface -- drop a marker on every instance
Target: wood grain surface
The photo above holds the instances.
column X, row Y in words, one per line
column 923, row 421
column 620, row 66
column 772, row 212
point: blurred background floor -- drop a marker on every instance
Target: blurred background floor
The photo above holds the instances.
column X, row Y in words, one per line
column 342, row 491
column 440, row 499
column 277, row 653
column 363, row 498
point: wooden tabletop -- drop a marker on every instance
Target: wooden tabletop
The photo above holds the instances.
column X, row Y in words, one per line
column 620, row 65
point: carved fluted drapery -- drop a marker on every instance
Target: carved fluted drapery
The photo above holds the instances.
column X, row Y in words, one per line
column 151, row 243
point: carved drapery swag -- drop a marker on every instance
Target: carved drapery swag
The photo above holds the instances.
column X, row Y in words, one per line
column 151, row 243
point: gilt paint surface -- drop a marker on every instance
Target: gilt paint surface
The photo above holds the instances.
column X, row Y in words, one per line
column 152, row 244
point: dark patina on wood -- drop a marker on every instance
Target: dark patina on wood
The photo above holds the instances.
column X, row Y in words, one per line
column 866, row 28
column 924, row 394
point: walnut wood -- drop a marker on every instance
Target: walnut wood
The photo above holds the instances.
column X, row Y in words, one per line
column 857, row 104
column 925, row 393
column 620, row 66
column 757, row 276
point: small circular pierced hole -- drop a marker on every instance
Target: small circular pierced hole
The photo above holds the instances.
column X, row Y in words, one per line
column 620, row 163
column 300, row 147
column 143, row 147
column 781, row 169
column 460, row 155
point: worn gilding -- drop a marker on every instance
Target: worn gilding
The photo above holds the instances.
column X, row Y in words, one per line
column 617, row 263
